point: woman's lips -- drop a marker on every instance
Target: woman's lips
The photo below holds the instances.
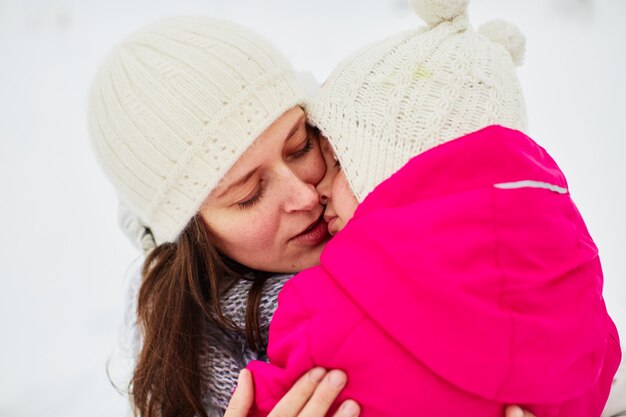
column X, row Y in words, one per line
column 314, row 234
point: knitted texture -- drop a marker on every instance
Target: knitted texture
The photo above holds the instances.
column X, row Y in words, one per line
column 224, row 355
column 175, row 105
column 418, row 89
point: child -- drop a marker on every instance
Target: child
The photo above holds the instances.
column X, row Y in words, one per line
column 467, row 280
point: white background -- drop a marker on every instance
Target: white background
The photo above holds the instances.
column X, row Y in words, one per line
column 62, row 259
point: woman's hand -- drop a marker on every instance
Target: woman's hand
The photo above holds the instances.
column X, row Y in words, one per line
column 311, row 396
column 515, row 411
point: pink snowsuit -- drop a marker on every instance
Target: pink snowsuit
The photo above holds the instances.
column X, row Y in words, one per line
column 465, row 282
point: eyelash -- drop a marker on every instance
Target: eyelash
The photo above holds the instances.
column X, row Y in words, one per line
column 308, row 147
column 254, row 199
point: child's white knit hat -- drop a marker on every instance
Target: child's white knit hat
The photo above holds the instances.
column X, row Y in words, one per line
column 175, row 105
column 411, row 92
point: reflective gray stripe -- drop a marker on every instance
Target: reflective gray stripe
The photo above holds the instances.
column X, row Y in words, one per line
column 531, row 184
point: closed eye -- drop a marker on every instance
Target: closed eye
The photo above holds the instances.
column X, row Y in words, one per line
column 254, row 199
column 308, row 146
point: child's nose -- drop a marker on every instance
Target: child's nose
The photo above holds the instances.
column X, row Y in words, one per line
column 323, row 189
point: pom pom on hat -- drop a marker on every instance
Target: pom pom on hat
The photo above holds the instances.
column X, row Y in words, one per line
column 507, row 35
column 434, row 12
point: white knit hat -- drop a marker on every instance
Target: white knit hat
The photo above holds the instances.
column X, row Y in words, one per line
column 175, row 105
column 411, row 92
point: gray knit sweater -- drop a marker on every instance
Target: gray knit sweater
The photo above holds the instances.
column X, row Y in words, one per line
column 224, row 355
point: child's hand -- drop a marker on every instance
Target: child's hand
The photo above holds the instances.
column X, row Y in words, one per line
column 311, row 396
column 515, row 411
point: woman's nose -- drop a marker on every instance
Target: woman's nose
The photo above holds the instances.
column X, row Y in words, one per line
column 300, row 195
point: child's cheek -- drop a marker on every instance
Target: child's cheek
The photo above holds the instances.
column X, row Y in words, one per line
column 344, row 201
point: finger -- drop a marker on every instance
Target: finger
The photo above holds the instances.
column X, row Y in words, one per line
column 324, row 394
column 516, row 411
column 241, row 401
column 295, row 399
column 349, row 408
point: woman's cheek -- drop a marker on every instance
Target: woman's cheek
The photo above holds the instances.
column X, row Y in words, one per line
column 258, row 230
column 320, row 167
column 312, row 168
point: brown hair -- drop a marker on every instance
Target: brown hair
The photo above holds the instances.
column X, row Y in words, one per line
column 180, row 292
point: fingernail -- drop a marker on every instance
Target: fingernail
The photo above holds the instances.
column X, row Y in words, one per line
column 517, row 412
column 240, row 376
column 317, row 374
column 349, row 409
column 338, row 379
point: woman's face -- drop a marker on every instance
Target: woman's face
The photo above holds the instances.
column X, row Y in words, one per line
column 335, row 191
column 266, row 212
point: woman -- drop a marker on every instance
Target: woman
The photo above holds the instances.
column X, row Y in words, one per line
column 197, row 124
column 172, row 109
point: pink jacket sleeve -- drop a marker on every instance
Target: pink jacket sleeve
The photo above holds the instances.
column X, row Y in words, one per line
column 290, row 352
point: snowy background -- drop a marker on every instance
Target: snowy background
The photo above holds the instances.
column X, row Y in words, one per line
column 62, row 259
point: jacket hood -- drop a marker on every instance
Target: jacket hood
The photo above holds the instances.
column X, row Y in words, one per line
column 474, row 260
